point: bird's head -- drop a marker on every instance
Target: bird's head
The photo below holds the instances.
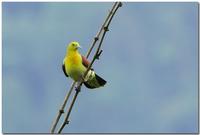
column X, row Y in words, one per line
column 73, row 46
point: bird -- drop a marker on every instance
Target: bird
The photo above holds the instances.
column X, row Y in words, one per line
column 75, row 65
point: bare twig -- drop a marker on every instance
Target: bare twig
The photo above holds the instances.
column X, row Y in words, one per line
column 96, row 56
column 66, row 121
column 96, row 38
column 61, row 111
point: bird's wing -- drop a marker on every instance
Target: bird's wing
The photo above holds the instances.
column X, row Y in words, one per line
column 97, row 81
column 85, row 62
column 63, row 68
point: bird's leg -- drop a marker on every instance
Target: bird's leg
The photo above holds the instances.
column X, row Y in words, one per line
column 77, row 88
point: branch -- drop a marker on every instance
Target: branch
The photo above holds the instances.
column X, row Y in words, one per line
column 61, row 111
column 104, row 28
column 96, row 38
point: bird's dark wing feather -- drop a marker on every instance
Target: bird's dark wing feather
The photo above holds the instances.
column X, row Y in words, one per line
column 63, row 68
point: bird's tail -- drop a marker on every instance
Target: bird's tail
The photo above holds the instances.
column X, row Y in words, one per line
column 96, row 82
column 101, row 81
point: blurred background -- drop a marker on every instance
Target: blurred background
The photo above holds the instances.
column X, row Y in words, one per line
column 150, row 62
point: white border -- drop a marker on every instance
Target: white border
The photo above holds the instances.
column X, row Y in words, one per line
column 100, row 1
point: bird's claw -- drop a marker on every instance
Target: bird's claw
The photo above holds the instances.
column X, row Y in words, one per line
column 77, row 89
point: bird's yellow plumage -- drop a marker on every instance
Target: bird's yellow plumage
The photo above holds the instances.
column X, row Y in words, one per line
column 73, row 62
column 75, row 66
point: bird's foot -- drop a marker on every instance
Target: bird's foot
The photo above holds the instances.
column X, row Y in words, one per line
column 77, row 89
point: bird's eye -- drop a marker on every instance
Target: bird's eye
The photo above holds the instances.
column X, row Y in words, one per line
column 73, row 44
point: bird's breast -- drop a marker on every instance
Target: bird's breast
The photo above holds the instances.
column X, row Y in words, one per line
column 74, row 59
column 74, row 67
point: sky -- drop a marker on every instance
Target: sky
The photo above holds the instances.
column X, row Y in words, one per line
column 149, row 60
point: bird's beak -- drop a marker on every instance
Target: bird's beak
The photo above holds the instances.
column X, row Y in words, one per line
column 79, row 46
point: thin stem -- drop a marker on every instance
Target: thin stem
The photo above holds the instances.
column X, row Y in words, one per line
column 118, row 5
column 105, row 28
column 61, row 111
column 68, row 113
column 97, row 53
column 96, row 38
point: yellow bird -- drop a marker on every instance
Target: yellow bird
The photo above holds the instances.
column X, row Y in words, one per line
column 75, row 65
